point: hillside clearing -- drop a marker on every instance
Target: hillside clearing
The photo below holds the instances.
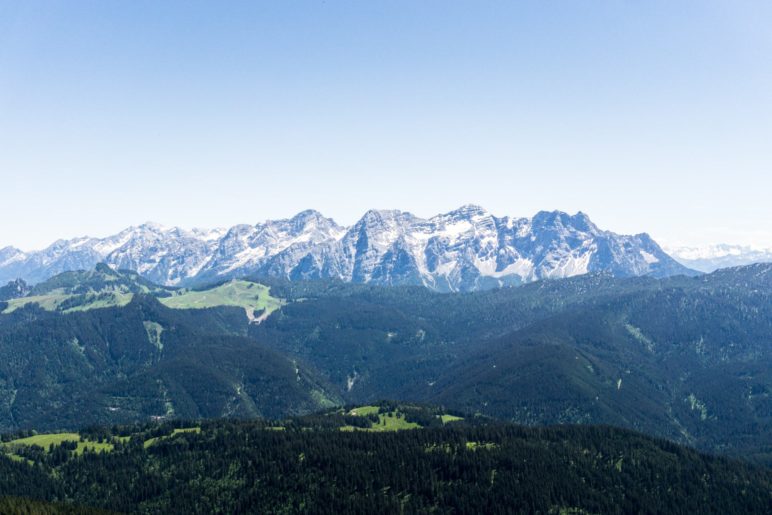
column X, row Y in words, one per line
column 391, row 421
column 180, row 430
column 245, row 294
column 55, row 300
column 55, row 439
column 255, row 298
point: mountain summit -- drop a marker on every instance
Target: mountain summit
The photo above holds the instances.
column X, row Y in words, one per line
column 463, row 250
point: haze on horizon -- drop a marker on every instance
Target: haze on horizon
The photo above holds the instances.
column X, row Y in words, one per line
column 650, row 117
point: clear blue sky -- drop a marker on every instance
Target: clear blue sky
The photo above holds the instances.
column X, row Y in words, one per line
column 650, row 116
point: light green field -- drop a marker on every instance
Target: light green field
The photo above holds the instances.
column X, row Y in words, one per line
column 386, row 421
column 391, row 422
column 245, row 294
column 45, row 440
column 154, row 440
column 186, row 430
column 248, row 295
column 56, row 439
column 16, row 457
column 450, row 418
column 118, row 299
column 52, row 301
column 47, row 302
column 363, row 411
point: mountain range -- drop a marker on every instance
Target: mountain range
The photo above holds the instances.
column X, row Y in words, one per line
column 463, row 250
column 712, row 257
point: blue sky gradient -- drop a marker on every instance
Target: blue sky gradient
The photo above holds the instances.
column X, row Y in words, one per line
column 649, row 116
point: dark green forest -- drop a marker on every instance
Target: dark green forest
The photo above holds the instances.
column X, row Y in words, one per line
column 309, row 465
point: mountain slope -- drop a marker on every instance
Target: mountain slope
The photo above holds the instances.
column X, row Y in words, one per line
column 689, row 360
column 140, row 360
column 463, row 250
column 683, row 358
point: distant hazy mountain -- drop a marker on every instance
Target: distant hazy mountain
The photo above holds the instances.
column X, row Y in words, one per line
column 713, row 257
column 466, row 249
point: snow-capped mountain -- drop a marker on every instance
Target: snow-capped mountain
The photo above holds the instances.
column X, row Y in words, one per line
column 466, row 249
column 713, row 257
column 163, row 255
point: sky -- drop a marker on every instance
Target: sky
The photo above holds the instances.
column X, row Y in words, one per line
column 649, row 116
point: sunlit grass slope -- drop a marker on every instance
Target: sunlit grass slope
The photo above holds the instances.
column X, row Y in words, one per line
column 55, row 301
column 245, row 294
column 391, row 421
column 55, row 439
column 104, row 288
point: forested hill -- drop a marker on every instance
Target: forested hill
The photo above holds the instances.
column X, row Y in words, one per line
column 350, row 461
column 111, row 355
column 688, row 359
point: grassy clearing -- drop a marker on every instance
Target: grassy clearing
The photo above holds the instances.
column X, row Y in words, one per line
column 156, row 439
column 152, row 441
column 363, row 411
column 186, row 430
column 52, row 301
column 55, row 439
column 450, row 418
column 116, row 299
column 47, row 302
column 45, row 440
column 245, row 294
column 93, row 447
column 392, row 421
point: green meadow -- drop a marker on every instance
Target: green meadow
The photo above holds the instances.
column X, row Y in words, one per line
column 46, row 440
column 180, row 430
column 244, row 294
column 55, row 439
column 54, row 300
column 391, row 421
column 363, row 411
column 253, row 297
